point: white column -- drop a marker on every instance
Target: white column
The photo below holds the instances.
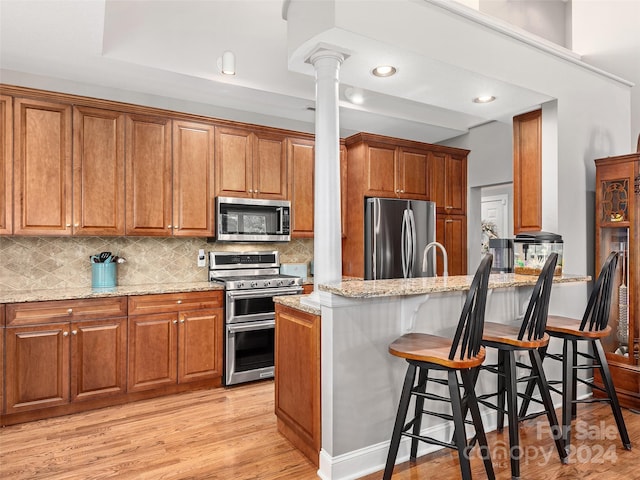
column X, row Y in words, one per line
column 327, row 244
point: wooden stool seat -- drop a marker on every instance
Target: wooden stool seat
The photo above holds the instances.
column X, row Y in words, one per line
column 499, row 333
column 571, row 326
column 433, row 349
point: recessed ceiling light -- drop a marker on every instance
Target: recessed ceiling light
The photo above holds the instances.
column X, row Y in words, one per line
column 484, row 99
column 384, row 70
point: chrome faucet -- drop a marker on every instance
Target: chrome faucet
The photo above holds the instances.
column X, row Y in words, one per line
column 445, row 258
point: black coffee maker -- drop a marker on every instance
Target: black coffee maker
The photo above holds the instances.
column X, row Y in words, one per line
column 502, row 251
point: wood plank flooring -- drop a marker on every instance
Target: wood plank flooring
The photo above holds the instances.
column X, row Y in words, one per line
column 231, row 434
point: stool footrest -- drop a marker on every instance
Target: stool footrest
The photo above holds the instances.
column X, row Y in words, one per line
column 431, row 440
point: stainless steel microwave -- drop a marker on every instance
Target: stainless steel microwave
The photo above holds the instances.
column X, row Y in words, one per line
column 252, row 220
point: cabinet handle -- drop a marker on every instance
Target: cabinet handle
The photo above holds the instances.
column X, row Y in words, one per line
column 69, row 311
column 175, row 322
column 449, row 206
column 182, row 320
column 168, row 226
column 65, row 334
column 448, row 221
column 76, row 225
column 179, row 302
column 75, row 332
column 401, row 191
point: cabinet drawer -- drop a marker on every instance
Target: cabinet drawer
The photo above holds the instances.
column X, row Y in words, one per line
column 71, row 310
column 174, row 302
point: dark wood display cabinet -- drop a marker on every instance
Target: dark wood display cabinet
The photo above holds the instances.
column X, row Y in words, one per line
column 618, row 229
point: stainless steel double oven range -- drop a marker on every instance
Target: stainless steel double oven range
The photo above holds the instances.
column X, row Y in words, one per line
column 251, row 280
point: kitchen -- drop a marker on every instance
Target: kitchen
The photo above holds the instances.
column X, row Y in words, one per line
column 144, row 254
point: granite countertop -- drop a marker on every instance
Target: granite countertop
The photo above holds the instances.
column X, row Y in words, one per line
column 36, row 295
column 294, row 301
column 423, row 285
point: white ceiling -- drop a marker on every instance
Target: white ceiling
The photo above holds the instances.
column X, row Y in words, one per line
column 169, row 49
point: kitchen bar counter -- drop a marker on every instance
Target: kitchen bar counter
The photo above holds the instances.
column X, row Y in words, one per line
column 37, row 295
column 426, row 285
column 361, row 381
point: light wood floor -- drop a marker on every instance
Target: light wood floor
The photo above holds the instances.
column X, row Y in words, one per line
column 231, row 434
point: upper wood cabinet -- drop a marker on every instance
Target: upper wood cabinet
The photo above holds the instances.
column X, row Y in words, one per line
column 393, row 171
column 448, row 178
column 6, row 165
column 42, row 168
column 250, row 163
column 98, row 172
column 527, row 172
column 193, row 154
column 301, row 160
column 148, row 176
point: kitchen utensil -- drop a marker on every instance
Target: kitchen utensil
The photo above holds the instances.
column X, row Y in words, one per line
column 103, row 256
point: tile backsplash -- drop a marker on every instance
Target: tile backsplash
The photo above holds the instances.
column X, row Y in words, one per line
column 63, row 262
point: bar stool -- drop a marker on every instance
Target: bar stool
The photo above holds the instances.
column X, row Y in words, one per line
column 528, row 337
column 462, row 354
column 592, row 327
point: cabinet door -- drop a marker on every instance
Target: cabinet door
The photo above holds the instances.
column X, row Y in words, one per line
column 412, row 174
column 438, row 180
column 451, row 231
column 42, row 168
column 269, row 166
column 343, row 189
column 527, row 172
column 98, row 358
column 380, row 168
column 6, row 165
column 152, row 351
column 192, row 179
column 37, row 367
column 456, row 185
column 233, row 161
column 148, row 176
column 301, row 160
column 98, row 172
column 200, row 345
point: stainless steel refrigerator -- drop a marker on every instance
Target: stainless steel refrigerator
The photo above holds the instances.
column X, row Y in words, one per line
column 396, row 233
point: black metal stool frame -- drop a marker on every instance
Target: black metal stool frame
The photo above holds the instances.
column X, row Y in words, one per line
column 465, row 345
column 595, row 318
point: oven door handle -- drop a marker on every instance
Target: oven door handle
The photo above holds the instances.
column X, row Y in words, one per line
column 251, row 326
column 264, row 292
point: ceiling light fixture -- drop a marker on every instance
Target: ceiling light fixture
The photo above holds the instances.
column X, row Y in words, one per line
column 227, row 63
column 355, row 95
column 384, row 71
column 484, row 99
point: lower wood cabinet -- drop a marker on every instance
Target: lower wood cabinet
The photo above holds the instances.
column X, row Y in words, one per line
column 67, row 356
column 181, row 343
column 451, row 231
column 63, row 351
column 297, row 379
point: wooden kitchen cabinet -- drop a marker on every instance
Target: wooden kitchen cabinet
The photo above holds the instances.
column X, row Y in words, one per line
column 301, row 162
column 387, row 167
column 618, row 229
column 6, row 165
column 174, row 338
column 42, row 167
column 193, row 157
column 527, row 172
column 451, row 231
column 448, row 177
column 58, row 352
column 148, row 176
column 250, row 163
column 98, row 172
column 297, row 379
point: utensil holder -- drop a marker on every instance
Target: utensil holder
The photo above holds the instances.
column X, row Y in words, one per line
column 103, row 275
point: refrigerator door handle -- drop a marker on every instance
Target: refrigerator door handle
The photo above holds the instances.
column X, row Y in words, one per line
column 413, row 235
column 404, row 243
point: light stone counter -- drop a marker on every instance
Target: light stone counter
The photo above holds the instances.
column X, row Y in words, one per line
column 293, row 301
column 37, row 295
column 426, row 285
